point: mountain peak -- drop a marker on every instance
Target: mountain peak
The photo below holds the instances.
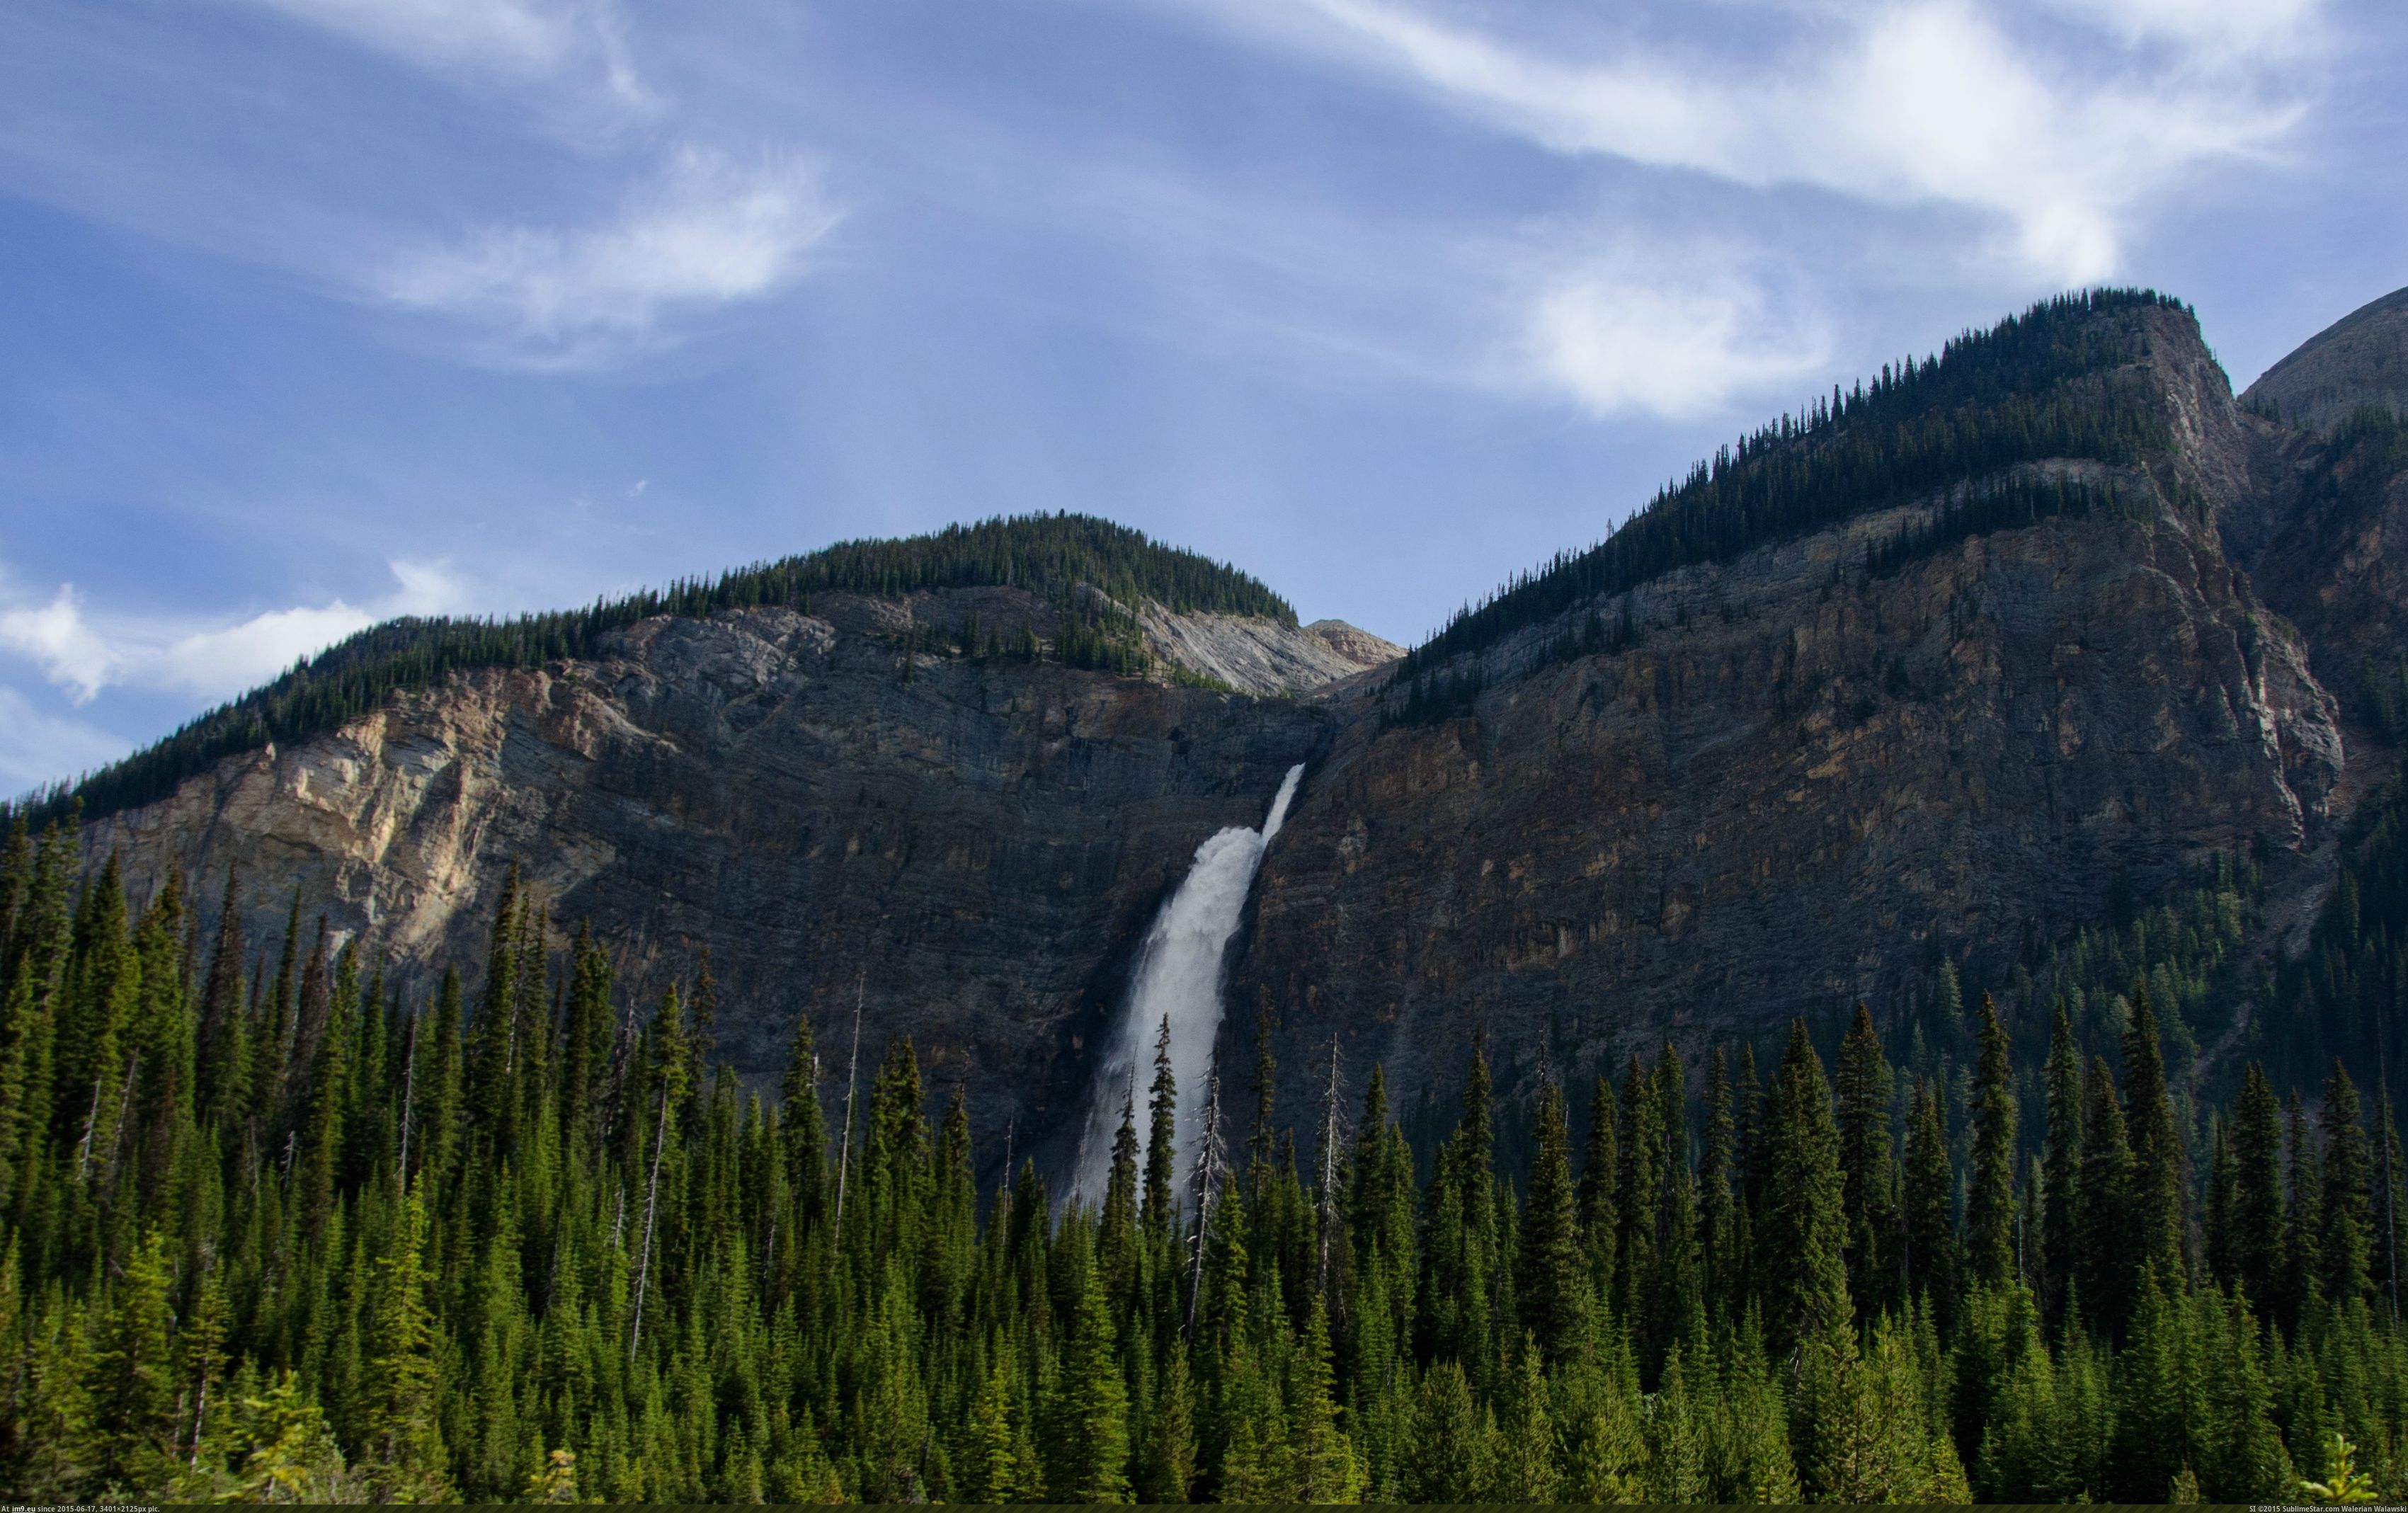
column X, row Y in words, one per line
column 2359, row 360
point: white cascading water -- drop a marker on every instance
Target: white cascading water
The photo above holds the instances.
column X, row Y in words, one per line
column 1178, row 976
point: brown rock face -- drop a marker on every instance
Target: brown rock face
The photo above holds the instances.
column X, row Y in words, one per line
column 1805, row 783
column 1800, row 782
column 1784, row 798
column 975, row 850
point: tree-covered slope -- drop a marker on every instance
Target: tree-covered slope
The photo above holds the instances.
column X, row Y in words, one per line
column 2042, row 384
column 285, row 1232
column 1048, row 555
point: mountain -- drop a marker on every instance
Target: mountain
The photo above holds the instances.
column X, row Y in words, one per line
column 914, row 796
column 2037, row 642
column 2359, row 360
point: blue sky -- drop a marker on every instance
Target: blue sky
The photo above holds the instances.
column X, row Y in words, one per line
column 313, row 311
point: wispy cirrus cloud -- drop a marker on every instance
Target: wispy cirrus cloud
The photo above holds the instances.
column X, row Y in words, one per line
column 1931, row 102
column 517, row 39
column 709, row 232
column 2218, row 33
column 83, row 653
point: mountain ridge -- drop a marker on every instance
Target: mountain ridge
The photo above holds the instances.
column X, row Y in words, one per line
column 1950, row 724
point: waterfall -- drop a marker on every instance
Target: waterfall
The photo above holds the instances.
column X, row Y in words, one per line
column 1179, row 975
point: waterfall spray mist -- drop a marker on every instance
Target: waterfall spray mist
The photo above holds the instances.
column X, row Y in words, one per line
column 1179, row 978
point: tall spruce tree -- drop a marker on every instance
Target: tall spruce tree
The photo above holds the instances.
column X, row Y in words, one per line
column 1929, row 1259
column 2111, row 1248
column 1552, row 1282
column 2061, row 1167
column 2158, row 1182
column 1866, row 1093
column 1719, row 1213
column 1600, row 1178
column 2303, row 1269
column 2348, row 1208
column 1990, row 1196
column 1803, row 1229
column 1161, row 1144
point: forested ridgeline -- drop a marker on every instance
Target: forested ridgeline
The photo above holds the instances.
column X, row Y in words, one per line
column 1048, row 555
column 273, row 1231
column 2040, row 385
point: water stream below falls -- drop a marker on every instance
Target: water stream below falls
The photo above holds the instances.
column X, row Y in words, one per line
column 1178, row 977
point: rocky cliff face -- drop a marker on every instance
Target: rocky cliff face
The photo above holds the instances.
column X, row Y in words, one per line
column 1805, row 782
column 974, row 850
column 1799, row 781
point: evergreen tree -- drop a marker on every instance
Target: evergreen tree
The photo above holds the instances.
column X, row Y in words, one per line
column 1929, row 1265
column 2061, row 1229
column 1095, row 1405
column 222, row 1044
column 2110, row 1247
column 1990, row 1199
column 2303, row 1267
column 2345, row 1243
column 1600, row 1177
column 1722, row 1219
column 1170, row 1473
column 2257, row 1217
column 137, row 1417
column 1326, row 1469
column 1640, row 1144
column 1117, row 1244
column 1865, row 1090
column 1804, row 1278
column 802, row 1125
column 402, row 1431
column 2158, row 1178
column 1675, row 1294
column 1162, row 1112
column 1552, row 1283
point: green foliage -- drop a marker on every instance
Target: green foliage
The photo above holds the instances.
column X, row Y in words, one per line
column 443, row 1300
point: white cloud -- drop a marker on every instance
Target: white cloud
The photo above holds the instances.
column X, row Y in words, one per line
column 1630, row 332
column 84, row 654
column 1925, row 102
column 2221, row 31
column 710, row 232
column 55, row 637
column 37, row 748
column 519, row 38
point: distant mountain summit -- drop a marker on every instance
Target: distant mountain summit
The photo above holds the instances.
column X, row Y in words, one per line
column 2360, row 359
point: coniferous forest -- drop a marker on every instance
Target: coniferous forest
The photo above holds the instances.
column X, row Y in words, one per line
column 275, row 1231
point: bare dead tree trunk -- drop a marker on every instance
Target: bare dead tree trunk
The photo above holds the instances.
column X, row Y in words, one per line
column 852, row 1081
column 117, row 1121
column 1210, row 1162
column 90, row 1119
column 1330, row 1135
column 652, row 1201
column 408, row 1102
